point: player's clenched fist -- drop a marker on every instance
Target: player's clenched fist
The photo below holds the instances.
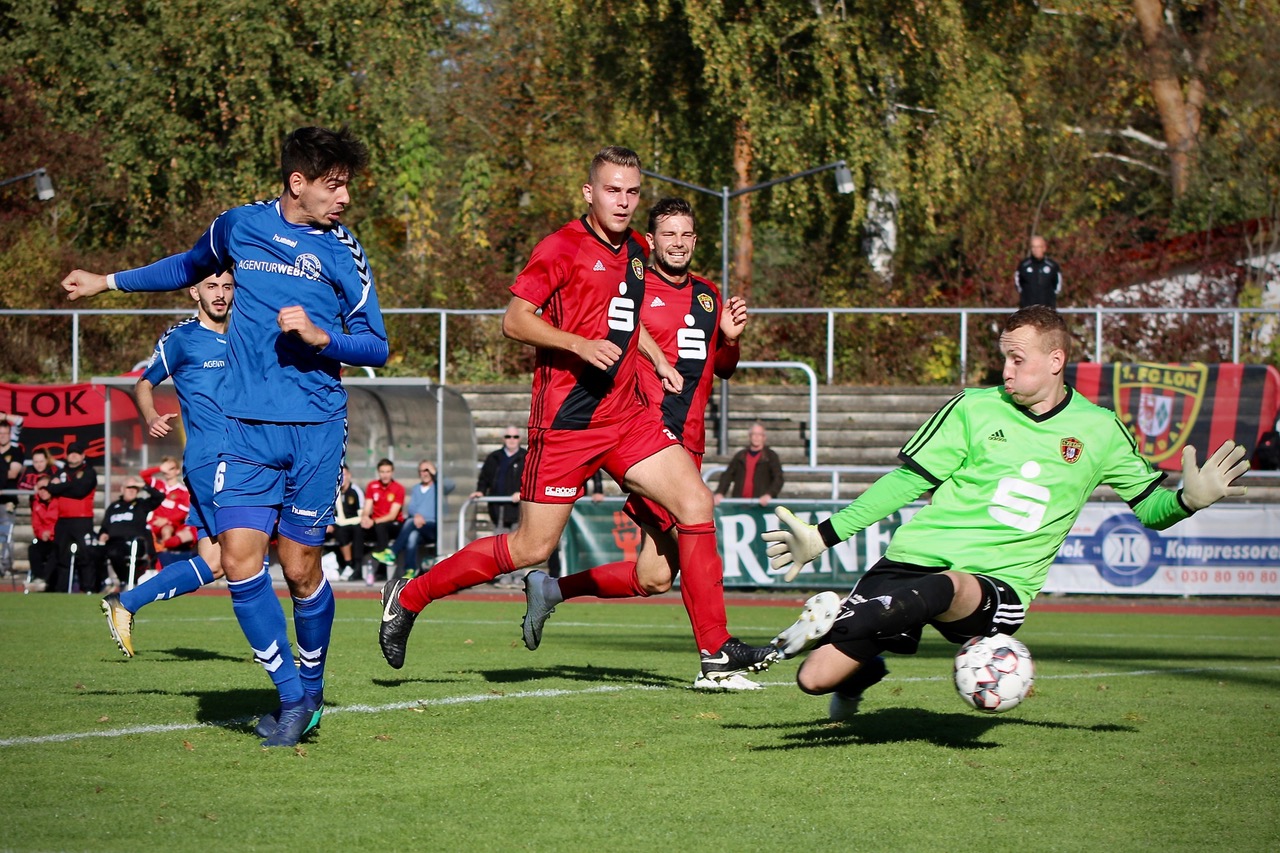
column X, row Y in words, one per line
column 81, row 284
column 293, row 320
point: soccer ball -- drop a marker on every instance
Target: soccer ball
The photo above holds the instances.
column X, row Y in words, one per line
column 994, row 674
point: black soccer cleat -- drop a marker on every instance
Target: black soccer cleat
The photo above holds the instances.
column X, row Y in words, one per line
column 735, row 657
column 393, row 632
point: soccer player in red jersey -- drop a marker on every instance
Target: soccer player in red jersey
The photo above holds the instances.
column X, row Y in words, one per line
column 698, row 335
column 590, row 412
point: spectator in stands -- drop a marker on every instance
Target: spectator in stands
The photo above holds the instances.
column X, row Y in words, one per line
column 42, row 556
column 11, row 456
column 124, row 534
column 168, row 521
column 380, row 517
column 75, row 488
column 754, row 472
column 420, row 524
column 1039, row 278
column 500, row 477
column 41, row 466
column 346, row 523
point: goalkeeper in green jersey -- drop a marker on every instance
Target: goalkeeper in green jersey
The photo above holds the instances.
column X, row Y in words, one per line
column 1010, row 469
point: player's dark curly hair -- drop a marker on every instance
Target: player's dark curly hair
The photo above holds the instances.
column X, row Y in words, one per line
column 316, row 152
column 670, row 207
column 1046, row 321
column 614, row 155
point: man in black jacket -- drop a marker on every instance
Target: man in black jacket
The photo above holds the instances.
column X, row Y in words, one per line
column 124, row 532
column 1039, row 278
column 73, row 487
column 500, row 477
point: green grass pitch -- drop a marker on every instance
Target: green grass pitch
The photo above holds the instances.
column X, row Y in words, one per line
column 1144, row 732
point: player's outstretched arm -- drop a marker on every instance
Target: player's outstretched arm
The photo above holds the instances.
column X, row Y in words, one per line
column 795, row 543
column 82, row 284
column 1204, row 487
column 157, row 424
column 522, row 323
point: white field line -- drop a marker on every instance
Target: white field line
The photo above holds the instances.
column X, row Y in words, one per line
column 555, row 623
column 552, row 694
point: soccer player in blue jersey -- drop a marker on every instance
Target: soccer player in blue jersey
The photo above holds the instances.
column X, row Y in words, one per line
column 194, row 354
column 305, row 304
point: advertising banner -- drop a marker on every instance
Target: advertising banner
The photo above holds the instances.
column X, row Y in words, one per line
column 1224, row 550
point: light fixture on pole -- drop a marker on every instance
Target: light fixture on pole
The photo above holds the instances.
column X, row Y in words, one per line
column 44, row 186
column 844, row 186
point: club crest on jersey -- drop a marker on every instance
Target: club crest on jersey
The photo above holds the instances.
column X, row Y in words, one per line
column 1072, row 449
column 1159, row 403
column 309, row 265
column 706, row 302
column 637, row 268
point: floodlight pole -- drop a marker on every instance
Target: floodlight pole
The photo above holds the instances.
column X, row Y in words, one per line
column 844, row 185
column 44, row 186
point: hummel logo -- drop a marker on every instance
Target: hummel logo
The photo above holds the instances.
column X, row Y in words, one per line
column 292, row 244
column 657, row 303
column 599, row 267
column 998, row 435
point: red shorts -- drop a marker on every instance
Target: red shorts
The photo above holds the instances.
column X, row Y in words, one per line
column 560, row 461
column 648, row 513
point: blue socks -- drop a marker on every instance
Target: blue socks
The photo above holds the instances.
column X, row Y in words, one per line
column 178, row 579
column 313, row 625
column 262, row 619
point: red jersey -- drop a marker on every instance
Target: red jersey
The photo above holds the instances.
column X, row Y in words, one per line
column 585, row 286
column 684, row 321
column 173, row 510
column 383, row 497
column 44, row 516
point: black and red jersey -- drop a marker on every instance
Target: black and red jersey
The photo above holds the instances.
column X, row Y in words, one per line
column 684, row 321
column 588, row 287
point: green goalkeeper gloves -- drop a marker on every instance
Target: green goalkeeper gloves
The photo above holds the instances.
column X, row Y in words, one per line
column 1203, row 487
column 795, row 542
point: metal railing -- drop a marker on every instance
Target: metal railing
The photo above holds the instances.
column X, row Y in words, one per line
column 963, row 316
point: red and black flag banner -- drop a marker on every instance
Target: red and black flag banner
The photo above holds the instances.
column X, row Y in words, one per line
column 54, row 416
column 1168, row 406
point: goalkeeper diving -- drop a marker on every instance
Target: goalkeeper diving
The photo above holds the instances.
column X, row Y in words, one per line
column 1010, row 469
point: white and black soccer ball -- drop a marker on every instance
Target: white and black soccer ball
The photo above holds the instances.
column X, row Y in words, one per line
column 994, row 674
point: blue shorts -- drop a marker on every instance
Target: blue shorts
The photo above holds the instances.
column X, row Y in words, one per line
column 200, row 484
column 289, row 472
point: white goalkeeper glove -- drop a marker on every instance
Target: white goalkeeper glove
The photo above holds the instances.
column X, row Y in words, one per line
column 1204, row 487
column 795, row 542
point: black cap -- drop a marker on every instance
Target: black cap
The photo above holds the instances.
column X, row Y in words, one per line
column 76, row 447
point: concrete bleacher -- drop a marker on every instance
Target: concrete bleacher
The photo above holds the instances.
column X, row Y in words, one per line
column 857, row 426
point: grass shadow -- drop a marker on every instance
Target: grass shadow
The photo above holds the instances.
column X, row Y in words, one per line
column 593, row 674
column 906, row 725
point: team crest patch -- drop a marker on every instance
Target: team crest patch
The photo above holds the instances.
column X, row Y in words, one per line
column 637, row 268
column 1072, row 449
column 1159, row 403
column 706, row 302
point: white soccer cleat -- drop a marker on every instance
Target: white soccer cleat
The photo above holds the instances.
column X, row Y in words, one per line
column 815, row 621
column 733, row 682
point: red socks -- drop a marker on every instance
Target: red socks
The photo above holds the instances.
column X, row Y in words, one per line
column 702, row 585
column 612, row 580
column 480, row 562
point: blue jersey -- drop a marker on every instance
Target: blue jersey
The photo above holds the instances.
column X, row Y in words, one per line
column 196, row 357
column 272, row 376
